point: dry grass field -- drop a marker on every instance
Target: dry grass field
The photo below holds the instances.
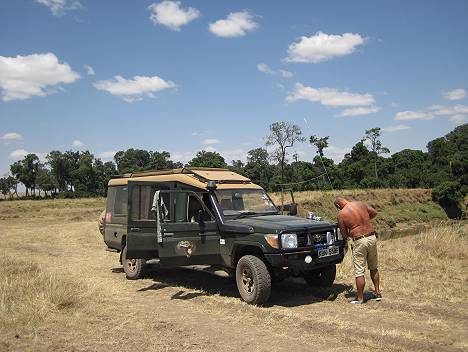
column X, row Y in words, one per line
column 61, row 291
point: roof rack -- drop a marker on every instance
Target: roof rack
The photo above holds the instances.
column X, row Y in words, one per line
column 184, row 170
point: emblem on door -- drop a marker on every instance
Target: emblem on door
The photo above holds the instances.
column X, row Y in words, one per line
column 185, row 248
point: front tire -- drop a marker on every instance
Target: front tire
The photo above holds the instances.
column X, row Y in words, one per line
column 323, row 277
column 134, row 268
column 253, row 280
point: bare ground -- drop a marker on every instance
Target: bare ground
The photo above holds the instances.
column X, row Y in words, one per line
column 81, row 301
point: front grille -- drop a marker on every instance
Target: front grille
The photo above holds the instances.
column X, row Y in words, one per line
column 307, row 239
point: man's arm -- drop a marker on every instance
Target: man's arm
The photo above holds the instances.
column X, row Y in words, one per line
column 343, row 228
column 372, row 212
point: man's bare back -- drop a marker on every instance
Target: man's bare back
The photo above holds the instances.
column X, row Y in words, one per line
column 354, row 218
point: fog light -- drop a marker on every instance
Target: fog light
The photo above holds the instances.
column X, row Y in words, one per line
column 308, row 259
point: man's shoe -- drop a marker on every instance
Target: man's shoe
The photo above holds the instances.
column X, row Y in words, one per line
column 378, row 296
column 356, row 302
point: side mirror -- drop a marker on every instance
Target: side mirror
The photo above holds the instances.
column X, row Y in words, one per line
column 292, row 209
column 201, row 220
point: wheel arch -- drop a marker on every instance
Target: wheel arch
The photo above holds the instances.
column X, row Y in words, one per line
column 242, row 249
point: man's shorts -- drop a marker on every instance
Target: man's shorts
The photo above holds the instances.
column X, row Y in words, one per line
column 365, row 250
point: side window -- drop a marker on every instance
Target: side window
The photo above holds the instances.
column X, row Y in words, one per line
column 142, row 201
column 188, row 207
column 120, row 203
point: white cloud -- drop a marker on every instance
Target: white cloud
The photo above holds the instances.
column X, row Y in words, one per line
column 89, row 70
column 395, row 128
column 413, row 115
column 329, row 96
column 210, row 141
column 237, row 24
column 286, row 74
column 18, row 154
column 359, row 111
column 77, row 144
column 455, row 113
column 134, row 89
column 172, row 15
column 107, row 155
column 60, row 7
column 336, row 153
column 23, row 77
column 455, row 94
column 394, row 105
column 459, row 119
column 264, row 68
column 12, row 136
column 322, row 47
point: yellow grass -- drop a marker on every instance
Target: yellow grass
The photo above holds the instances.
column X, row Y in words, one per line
column 57, row 292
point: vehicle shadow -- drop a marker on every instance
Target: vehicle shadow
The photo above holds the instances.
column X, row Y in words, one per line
column 289, row 293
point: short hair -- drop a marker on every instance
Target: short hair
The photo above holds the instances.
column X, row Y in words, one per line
column 339, row 200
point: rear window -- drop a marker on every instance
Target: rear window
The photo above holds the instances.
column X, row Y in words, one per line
column 117, row 200
column 142, row 201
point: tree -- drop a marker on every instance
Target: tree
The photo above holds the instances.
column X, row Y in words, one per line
column 103, row 172
column 45, row 180
column 4, row 187
column 61, row 166
column 319, row 143
column 83, row 175
column 132, row 160
column 375, row 145
column 208, row 159
column 283, row 135
column 26, row 172
column 161, row 161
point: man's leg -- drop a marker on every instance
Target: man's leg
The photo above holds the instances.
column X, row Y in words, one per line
column 375, row 276
column 372, row 261
column 359, row 261
column 360, row 283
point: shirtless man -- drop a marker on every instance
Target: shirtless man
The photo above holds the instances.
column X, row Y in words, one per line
column 354, row 221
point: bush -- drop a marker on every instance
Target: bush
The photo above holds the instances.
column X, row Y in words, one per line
column 448, row 194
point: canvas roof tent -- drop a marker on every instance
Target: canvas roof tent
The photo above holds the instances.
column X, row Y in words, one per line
column 195, row 177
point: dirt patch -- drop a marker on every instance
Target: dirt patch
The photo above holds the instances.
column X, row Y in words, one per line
column 181, row 309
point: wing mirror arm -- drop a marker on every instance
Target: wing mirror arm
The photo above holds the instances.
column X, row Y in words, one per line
column 201, row 220
column 293, row 209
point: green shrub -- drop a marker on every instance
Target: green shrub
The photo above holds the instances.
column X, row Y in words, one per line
column 448, row 194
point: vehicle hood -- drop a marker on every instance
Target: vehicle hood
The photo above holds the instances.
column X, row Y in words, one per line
column 278, row 223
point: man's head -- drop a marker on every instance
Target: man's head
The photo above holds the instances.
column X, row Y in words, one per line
column 340, row 202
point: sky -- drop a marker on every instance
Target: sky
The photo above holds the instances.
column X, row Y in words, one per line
column 183, row 76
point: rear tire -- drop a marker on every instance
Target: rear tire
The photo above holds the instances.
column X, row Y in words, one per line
column 253, row 280
column 134, row 268
column 323, row 277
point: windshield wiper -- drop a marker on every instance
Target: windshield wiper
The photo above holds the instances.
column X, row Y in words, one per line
column 244, row 214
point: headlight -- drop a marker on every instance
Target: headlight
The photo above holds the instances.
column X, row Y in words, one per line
column 289, row 240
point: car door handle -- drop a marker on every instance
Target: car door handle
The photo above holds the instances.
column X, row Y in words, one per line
column 135, row 229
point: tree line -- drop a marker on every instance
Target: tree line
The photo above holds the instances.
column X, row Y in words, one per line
column 367, row 165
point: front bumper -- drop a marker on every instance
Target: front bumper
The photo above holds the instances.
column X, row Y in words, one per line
column 296, row 260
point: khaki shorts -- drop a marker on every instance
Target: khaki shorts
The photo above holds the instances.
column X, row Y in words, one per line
column 365, row 250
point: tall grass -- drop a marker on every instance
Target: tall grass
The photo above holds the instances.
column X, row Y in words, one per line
column 29, row 295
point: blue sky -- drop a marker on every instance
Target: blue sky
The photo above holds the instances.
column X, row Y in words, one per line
column 214, row 74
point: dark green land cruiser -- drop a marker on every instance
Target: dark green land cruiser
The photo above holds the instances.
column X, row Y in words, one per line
column 201, row 216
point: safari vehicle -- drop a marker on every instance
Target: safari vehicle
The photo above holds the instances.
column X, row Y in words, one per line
column 202, row 216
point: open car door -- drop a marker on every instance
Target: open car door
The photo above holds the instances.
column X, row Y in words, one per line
column 142, row 242
column 191, row 236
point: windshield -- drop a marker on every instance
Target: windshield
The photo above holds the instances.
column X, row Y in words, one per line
column 239, row 202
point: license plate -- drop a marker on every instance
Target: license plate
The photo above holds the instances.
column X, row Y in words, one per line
column 327, row 252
